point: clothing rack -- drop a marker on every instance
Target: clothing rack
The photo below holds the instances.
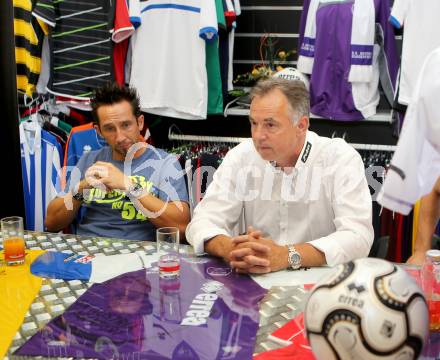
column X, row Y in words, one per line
column 236, row 140
column 200, row 138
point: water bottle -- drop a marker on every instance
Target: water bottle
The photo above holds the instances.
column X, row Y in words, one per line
column 431, row 287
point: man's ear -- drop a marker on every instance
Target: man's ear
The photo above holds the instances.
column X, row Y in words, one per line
column 140, row 122
column 303, row 123
column 96, row 126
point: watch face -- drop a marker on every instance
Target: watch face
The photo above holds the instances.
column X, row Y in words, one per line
column 295, row 258
column 136, row 190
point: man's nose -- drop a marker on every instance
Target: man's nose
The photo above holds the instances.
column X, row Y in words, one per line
column 258, row 133
column 119, row 134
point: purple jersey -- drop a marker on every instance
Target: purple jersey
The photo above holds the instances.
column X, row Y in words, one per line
column 209, row 313
column 331, row 94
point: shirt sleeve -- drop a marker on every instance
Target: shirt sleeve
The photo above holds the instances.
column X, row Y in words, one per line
column 208, row 20
column 44, row 10
column 352, row 206
column 134, row 11
column 220, row 210
column 123, row 28
column 399, row 12
column 416, row 162
column 172, row 185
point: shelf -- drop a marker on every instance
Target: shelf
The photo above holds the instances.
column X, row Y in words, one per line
column 381, row 116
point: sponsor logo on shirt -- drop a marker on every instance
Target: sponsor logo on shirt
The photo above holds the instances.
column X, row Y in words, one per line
column 306, row 152
column 87, row 148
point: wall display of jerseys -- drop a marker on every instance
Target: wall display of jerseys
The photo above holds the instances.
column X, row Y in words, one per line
column 44, row 133
column 89, row 42
column 82, row 55
column 420, row 37
column 347, row 47
column 170, row 70
column 138, row 315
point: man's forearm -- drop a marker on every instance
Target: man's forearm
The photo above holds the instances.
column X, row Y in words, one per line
column 310, row 255
column 58, row 216
column 428, row 218
column 62, row 210
column 220, row 245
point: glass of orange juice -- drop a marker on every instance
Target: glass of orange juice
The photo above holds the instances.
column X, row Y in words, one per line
column 13, row 240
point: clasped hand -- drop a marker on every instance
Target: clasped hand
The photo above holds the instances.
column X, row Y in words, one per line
column 252, row 253
column 105, row 176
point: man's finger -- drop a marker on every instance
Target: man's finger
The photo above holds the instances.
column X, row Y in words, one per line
column 247, row 237
column 253, row 260
column 255, row 246
column 237, row 265
column 238, row 254
column 239, row 239
column 254, row 270
column 259, row 270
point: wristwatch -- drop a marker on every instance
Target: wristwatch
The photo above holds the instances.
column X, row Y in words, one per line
column 135, row 190
column 78, row 196
column 294, row 258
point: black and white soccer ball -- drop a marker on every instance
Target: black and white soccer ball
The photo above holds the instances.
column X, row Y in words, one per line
column 367, row 309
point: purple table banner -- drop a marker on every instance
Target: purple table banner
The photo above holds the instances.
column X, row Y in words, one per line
column 210, row 312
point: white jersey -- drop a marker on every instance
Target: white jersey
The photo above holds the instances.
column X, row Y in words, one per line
column 419, row 19
column 416, row 163
column 41, row 164
column 168, row 55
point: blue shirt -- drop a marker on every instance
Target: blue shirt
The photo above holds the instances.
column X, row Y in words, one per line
column 113, row 214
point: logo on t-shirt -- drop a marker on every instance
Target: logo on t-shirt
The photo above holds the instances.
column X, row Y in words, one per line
column 306, row 152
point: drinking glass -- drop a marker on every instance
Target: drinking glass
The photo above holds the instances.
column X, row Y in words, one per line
column 13, row 240
column 167, row 239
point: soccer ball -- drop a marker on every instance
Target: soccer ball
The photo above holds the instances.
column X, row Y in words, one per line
column 291, row 73
column 367, row 309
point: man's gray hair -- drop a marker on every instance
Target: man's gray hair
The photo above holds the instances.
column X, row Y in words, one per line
column 294, row 90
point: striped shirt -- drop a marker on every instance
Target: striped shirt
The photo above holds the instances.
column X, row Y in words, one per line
column 29, row 34
column 40, row 163
column 80, row 41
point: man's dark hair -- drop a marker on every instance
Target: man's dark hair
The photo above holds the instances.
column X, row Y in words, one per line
column 112, row 93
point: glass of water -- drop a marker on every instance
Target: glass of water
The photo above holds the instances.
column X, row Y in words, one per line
column 167, row 239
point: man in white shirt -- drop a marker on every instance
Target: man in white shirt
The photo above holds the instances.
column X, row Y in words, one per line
column 304, row 198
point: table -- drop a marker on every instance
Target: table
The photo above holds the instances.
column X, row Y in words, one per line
column 281, row 303
column 55, row 296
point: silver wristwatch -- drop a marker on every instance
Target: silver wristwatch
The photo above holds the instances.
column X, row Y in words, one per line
column 294, row 258
column 135, row 190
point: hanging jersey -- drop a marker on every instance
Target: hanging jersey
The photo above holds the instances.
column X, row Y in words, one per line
column 332, row 95
column 415, row 166
column 80, row 40
column 122, row 30
column 215, row 94
column 41, row 168
column 421, row 36
column 29, row 34
column 82, row 139
column 168, row 55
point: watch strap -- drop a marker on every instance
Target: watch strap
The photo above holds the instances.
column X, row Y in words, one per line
column 78, row 196
column 135, row 190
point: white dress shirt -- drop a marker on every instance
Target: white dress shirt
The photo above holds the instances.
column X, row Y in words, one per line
column 324, row 200
column 415, row 166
